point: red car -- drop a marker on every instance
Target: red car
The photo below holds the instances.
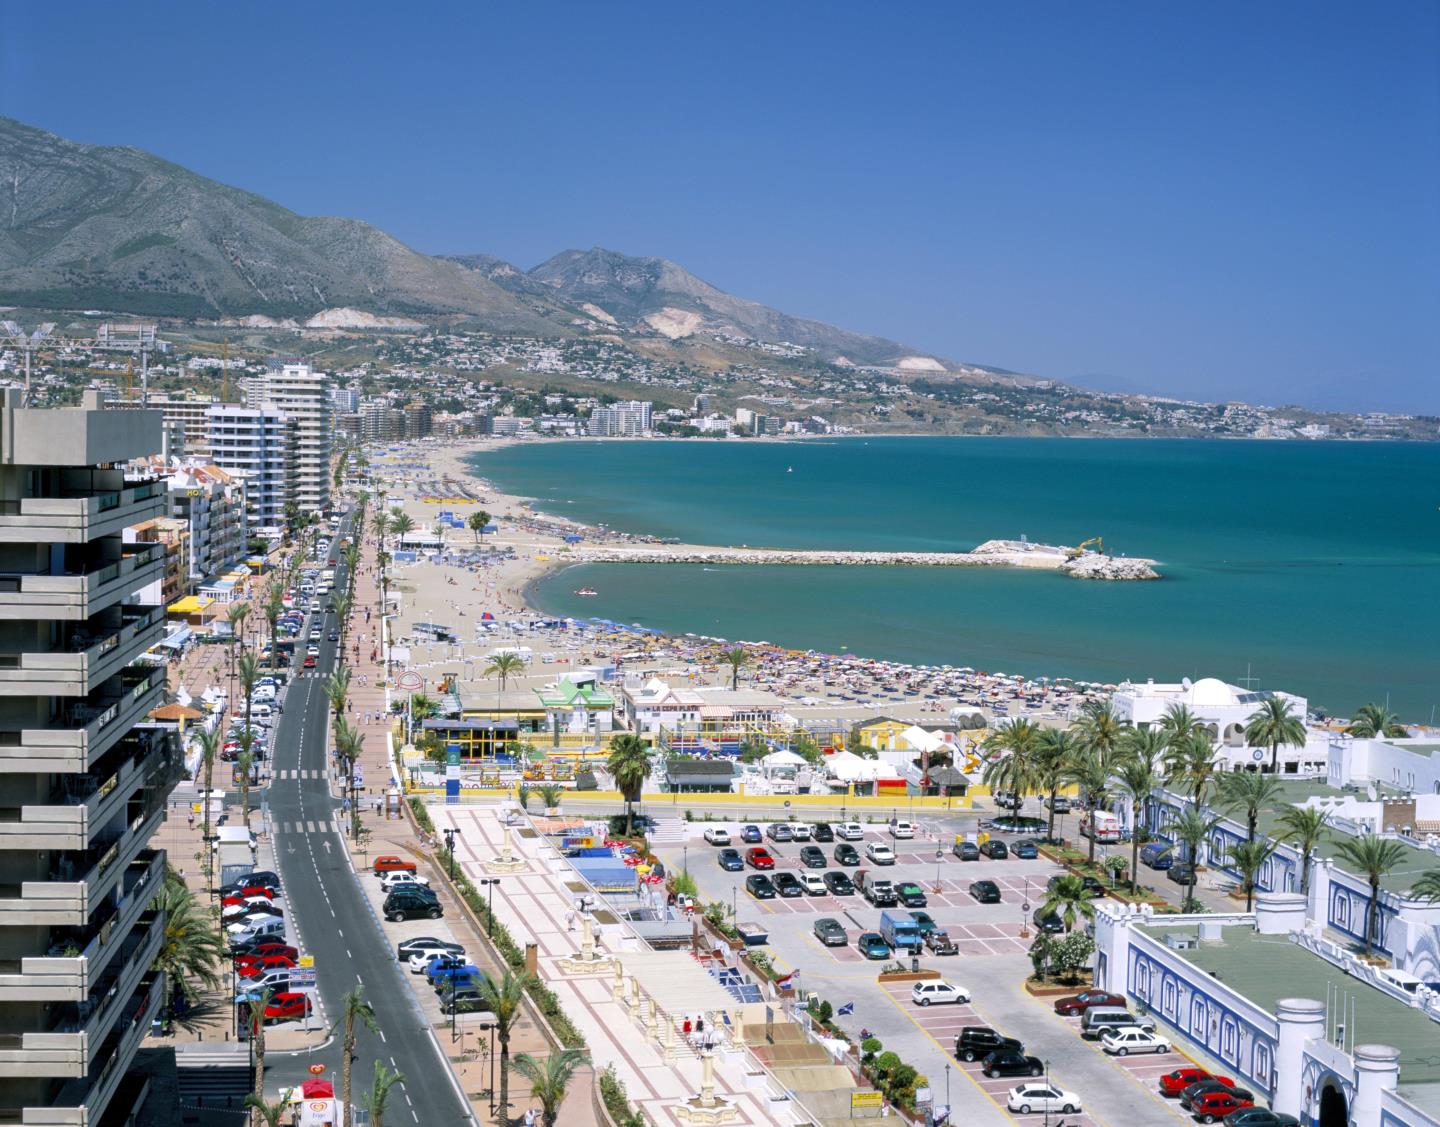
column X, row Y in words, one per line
column 1173, row 1083
column 310, row 663
column 288, row 1005
column 274, row 947
column 248, row 966
column 758, row 858
column 1215, row 1106
column 1079, row 1003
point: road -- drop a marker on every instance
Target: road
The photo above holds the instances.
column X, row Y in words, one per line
column 335, row 921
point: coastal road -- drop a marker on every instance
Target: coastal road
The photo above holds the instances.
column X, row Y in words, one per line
column 335, row 921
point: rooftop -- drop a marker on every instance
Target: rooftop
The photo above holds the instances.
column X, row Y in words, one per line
column 1266, row 968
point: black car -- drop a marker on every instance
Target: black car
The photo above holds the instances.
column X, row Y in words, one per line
column 846, row 854
column 1092, row 885
column 265, row 877
column 1048, row 921
column 1181, row 872
column 411, row 903
column 995, row 849
column 966, row 850
column 730, row 860
column 985, row 891
column 911, row 894
column 839, row 884
column 978, row 1041
column 822, row 832
column 813, row 857
column 1012, row 1062
column 462, row 1002
column 334, row 635
column 1260, row 1117
column 760, row 886
column 404, row 950
column 787, row 885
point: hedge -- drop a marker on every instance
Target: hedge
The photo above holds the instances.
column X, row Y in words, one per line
column 617, row 1103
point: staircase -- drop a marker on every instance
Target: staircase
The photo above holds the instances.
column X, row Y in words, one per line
column 669, row 831
column 213, row 1082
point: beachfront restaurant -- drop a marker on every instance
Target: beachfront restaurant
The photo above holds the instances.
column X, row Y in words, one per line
column 478, row 739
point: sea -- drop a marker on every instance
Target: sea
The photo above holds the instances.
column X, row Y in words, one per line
column 1312, row 567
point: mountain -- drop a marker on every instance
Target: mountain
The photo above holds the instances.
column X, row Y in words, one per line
column 118, row 228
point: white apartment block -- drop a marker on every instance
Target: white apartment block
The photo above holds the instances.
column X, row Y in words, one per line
column 629, row 420
column 303, row 395
column 259, row 444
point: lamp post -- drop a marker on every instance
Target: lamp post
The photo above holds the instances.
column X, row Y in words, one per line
column 939, row 858
column 490, row 883
column 489, row 1054
column 451, row 833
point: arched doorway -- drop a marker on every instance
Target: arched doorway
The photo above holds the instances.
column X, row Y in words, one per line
column 1333, row 1112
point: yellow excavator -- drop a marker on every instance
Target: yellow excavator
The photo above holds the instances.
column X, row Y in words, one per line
column 1076, row 553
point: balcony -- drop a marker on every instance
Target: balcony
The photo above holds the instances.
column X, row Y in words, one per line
column 90, row 657
column 79, row 805
column 81, row 515
column 89, row 728
column 79, row 594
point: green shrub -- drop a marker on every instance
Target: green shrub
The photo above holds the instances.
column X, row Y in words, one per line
column 885, row 1063
column 870, row 1046
column 422, row 816
column 617, row 1103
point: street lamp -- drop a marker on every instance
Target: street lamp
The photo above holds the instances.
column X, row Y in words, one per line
column 490, row 883
column 488, row 1046
column 451, row 833
column 939, row 857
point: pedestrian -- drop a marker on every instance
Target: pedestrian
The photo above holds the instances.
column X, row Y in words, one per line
column 570, row 920
column 529, row 1117
column 192, row 819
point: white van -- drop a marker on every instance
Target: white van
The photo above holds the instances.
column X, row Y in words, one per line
column 260, row 710
column 245, row 933
column 234, row 835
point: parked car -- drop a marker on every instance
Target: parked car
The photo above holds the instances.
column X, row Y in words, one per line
column 1173, row 1083
column 902, row 831
column 408, row 947
column 750, row 834
column 1048, row 921
column 1215, row 1106
column 911, row 894
column 938, row 992
column 1189, row 1095
column 438, row 965
column 878, row 890
column 879, row 853
column 392, row 864
column 717, row 836
column 251, row 966
column 1181, row 872
column 1078, row 1003
column 850, row 831
column 966, row 850
column 1092, row 885
column 799, row 831
column 995, row 849
column 779, row 831
column 925, row 922
column 421, row 958
column 1059, row 804
column 813, row 884
column 758, row 858
column 1027, row 1099
column 846, row 854
column 1008, row 1062
column 411, row 903
column 839, row 884
column 270, row 980
column 873, row 946
column 1025, row 849
column 287, row 1005
column 985, row 891
column 976, row 1042
column 266, row 947
column 1123, row 1042
column 1100, row 1020
column 1157, row 854
column 821, row 831
column 812, row 857
column 760, row 886
column 830, row 932
column 1260, row 1117
column 397, row 878
column 730, row 860
column 788, row 885
column 940, row 943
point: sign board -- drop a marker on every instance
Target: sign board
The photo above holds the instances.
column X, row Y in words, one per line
column 307, row 961
column 302, row 977
column 452, row 774
column 922, row 1097
column 860, row 1101
column 410, row 681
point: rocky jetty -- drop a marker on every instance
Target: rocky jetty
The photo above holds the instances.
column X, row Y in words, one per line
column 1094, row 566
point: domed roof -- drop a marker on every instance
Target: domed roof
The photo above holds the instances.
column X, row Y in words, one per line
column 1211, row 692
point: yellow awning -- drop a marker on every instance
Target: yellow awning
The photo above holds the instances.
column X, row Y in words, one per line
column 190, row 604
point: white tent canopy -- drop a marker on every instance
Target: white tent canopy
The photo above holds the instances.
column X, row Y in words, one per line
column 783, row 758
column 851, row 768
column 923, row 741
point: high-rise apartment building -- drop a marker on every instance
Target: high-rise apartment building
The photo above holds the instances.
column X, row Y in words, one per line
column 302, row 394
column 630, row 419
column 260, row 444
column 84, row 780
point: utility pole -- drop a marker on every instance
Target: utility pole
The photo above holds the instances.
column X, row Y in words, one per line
column 27, row 343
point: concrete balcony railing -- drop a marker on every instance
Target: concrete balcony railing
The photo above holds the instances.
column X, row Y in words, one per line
column 73, row 595
column 83, row 804
column 89, row 659
column 82, row 516
column 88, row 729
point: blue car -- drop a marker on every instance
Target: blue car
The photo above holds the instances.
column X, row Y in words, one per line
column 444, row 964
column 873, row 946
column 1025, row 850
column 751, row 834
column 730, row 860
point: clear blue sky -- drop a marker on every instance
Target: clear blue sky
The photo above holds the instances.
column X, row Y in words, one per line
column 1219, row 199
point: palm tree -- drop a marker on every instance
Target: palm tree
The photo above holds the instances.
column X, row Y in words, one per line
column 735, row 658
column 400, row 524
column 349, row 746
column 379, row 1095
column 1100, row 730
column 1139, row 776
column 1190, row 763
column 1091, row 772
column 1191, row 828
column 1248, row 791
column 1052, row 760
column 249, row 670
column 550, row 794
column 191, row 951
column 1274, row 724
column 1011, row 764
column 236, row 616
column 274, row 608
column 337, row 692
column 503, row 666
column 477, row 522
column 629, row 766
column 1149, row 744
column 343, row 604
column 357, row 1010
column 549, row 1077
column 1372, row 721
column 1427, row 885
column 209, row 746
column 350, row 557
column 503, row 998
column 1179, row 721
column 381, row 524
column 1071, row 900
column 270, row 1114
column 1249, row 858
column 257, row 1006
column 1375, row 857
column 1307, row 826
column 243, row 764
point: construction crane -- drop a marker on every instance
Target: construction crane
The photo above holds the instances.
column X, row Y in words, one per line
column 26, row 343
column 1076, row 553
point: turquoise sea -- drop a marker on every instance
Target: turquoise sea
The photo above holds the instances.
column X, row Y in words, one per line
column 1313, row 566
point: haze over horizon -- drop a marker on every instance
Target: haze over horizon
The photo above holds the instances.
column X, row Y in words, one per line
column 1233, row 202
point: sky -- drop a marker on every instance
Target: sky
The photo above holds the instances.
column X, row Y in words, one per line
column 1218, row 200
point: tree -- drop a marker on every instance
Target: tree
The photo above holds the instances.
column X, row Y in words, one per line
column 503, row 997
column 1071, row 953
column 1307, row 826
column 337, row 692
column 357, row 1012
column 249, row 670
column 1100, row 729
column 550, row 794
column 1090, row 771
column 1040, row 954
column 1191, row 828
column 549, row 1077
column 736, row 658
column 1069, row 899
column 191, row 952
column 1249, row 858
column 1373, row 721
column 1427, row 885
column 629, row 766
column 1250, row 792
column 349, row 746
column 503, row 666
column 1375, row 857
column 522, row 796
column 423, row 707
column 256, row 1006
column 753, row 750
column 274, row 608
column 1139, row 777
column 1179, row 721
column 477, row 522
column 1052, row 759
column 379, row 1095
column 236, row 616
column 1011, row 762
column 400, row 524
column 380, row 522
column 1274, row 724
column 270, row 1114
column 1190, row 762
column 209, row 745
column 244, row 764
column 343, row 603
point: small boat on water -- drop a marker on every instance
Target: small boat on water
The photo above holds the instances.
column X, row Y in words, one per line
column 586, row 591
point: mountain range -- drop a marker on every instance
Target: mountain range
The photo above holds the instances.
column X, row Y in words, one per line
column 120, row 229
